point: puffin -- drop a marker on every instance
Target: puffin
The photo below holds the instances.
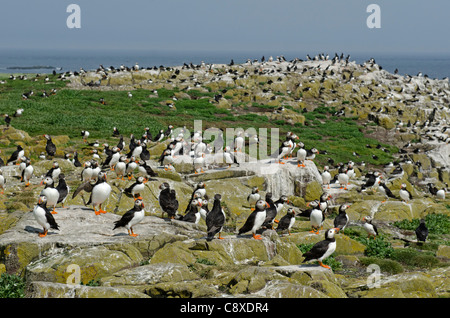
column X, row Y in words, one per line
column 169, row 131
column 159, row 137
column 323, row 249
column 343, row 179
column 326, row 177
column 255, row 220
column 131, row 218
column 301, row 155
column 341, row 220
column 283, row 151
column 86, row 173
column 7, row 120
column 215, row 219
column 229, row 158
column 440, row 194
column 204, row 209
column 199, row 163
column 121, row 167
column 27, row 172
column 166, row 159
column 421, row 231
column 168, row 200
column 271, row 212
column 239, row 142
column 279, row 204
column 50, row 147
column 253, row 197
column 2, row 182
column 18, row 153
column 43, row 216
column 131, row 167
column 311, row 154
column 373, row 179
column 370, row 228
column 50, row 192
column 405, row 195
column 316, row 219
column 100, row 193
column 85, row 135
column 116, row 132
column 63, row 189
column 76, row 161
column 54, row 171
column 136, row 188
column 383, row 188
column 287, row 221
column 145, row 169
column 193, row 215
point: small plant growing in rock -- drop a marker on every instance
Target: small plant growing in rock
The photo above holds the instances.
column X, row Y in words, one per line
column 11, row 286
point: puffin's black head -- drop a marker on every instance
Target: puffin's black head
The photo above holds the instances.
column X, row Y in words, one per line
column 218, row 197
column 261, row 205
column 164, row 185
column 139, row 204
column 255, row 190
column 343, row 207
column 268, row 195
column 284, row 198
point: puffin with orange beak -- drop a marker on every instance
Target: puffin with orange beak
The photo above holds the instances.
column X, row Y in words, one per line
column 100, row 193
column 256, row 219
column 136, row 188
column 323, row 249
column 131, row 217
column 44, row 217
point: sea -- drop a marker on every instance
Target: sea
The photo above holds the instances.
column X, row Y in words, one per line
column 12, row 61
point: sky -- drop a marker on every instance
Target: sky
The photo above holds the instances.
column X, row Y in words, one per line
column 407, row 26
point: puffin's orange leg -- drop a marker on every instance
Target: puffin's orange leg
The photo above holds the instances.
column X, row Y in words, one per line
column 257, row 237
column 323, row 265
column 43, row 234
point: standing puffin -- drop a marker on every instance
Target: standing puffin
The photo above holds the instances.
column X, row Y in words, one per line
column 168, row 200
column 131, row 218
column 50, row 148
column 50, row 192
column 271, row 212
column 405, row 195
column 63, row 189
column 326, row 177
column 44, row 217
column 422, row 231
column 255, row 220
column 54, row 171
column 343, row 179
column 85, row 135
column 100, row 193
column 341, row 220
column 383, row 188
column 16, row 155
column 316, row 219
column 193, row 215
column 323, row 249
column 301, row 155
column 136, row 188
column 27, row 172
column 215, row 219
column 370, row 228
column 253, row 197
column 287, row 221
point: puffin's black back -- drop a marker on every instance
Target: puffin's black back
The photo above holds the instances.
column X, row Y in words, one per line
column 215, row 219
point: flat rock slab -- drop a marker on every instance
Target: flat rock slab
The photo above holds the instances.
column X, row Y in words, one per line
column 78, row 225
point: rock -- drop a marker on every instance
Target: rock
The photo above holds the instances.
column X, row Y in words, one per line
column 57, row 290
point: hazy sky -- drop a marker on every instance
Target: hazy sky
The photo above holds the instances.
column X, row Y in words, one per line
column 284, row 25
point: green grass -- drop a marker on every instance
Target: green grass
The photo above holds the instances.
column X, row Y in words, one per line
column 70, row 111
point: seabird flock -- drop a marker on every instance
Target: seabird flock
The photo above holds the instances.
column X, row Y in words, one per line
column 123, row 160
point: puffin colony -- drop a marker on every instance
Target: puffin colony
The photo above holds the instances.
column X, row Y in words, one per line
column 130, row 159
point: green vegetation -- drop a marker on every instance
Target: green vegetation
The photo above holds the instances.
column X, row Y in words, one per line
column 69, row 111
column 11, row 286
column 436, row 223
